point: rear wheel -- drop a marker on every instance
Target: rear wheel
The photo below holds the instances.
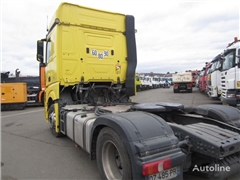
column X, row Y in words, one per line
column 112, row 157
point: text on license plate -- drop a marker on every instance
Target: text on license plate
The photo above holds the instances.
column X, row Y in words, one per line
column 164, row 175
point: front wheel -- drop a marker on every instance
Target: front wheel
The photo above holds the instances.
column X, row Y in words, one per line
column 52, row 121
column 112, row 157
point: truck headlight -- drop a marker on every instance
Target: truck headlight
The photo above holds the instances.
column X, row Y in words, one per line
column 231, row 94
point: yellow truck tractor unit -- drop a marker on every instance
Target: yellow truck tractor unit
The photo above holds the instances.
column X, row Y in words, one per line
column 90, row 59
column 13, row 96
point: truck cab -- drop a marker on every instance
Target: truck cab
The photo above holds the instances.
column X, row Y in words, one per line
column 148, row 79
column 156, row 81
column 144, row 82
column 83, row 58
column 204, row 77
column 214, row 78
column 230, row 75
column 138, row 83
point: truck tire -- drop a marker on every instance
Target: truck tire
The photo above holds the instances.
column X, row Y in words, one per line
column 52, row 121
column 112, row 157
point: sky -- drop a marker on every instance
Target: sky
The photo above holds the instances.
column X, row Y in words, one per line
column 172, row 36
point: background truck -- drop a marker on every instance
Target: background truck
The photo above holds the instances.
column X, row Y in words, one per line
column 156, row 81
column 138, row 82
column 149, row 81
column 35, row 85
column 203, row 79
column 182, row 81
column 13, row 96
column 89, row 83
column 214, row 78
column 144, row 82
column 200, row 79
column 195, row 73
column 166, row 82
column 230, row 75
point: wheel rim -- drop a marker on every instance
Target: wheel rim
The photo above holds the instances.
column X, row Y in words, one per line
column 112, row 162
column 52, row 119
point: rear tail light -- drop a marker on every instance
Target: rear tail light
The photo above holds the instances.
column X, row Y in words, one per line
column 155, row 167
column 175, row 85
column 189, row 85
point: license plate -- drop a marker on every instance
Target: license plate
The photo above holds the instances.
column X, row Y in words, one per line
column 164, row 175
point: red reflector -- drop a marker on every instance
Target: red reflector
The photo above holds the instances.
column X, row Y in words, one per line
column 167, row 164
column 155, row 167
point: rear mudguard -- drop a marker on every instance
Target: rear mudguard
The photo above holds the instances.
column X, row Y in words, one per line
column 147, row 138
column 227, row 114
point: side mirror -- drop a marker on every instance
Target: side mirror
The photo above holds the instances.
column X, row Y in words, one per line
column 222, row 58
column 40, row 51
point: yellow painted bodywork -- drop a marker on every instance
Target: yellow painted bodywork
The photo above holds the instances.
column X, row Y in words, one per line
column 84, row 45
column 83, row 29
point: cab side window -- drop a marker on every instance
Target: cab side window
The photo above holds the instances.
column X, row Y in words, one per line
column 48, row 49
column 229, row 61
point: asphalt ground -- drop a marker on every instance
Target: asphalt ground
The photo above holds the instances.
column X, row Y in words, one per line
column 29, row 151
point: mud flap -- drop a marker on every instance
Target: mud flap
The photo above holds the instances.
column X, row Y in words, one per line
column 227, row 114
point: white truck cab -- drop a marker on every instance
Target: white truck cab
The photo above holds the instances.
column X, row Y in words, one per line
column 214, row 78
column 149, row 81
column 144, row 82
column 230, row 76
column 156, row 82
